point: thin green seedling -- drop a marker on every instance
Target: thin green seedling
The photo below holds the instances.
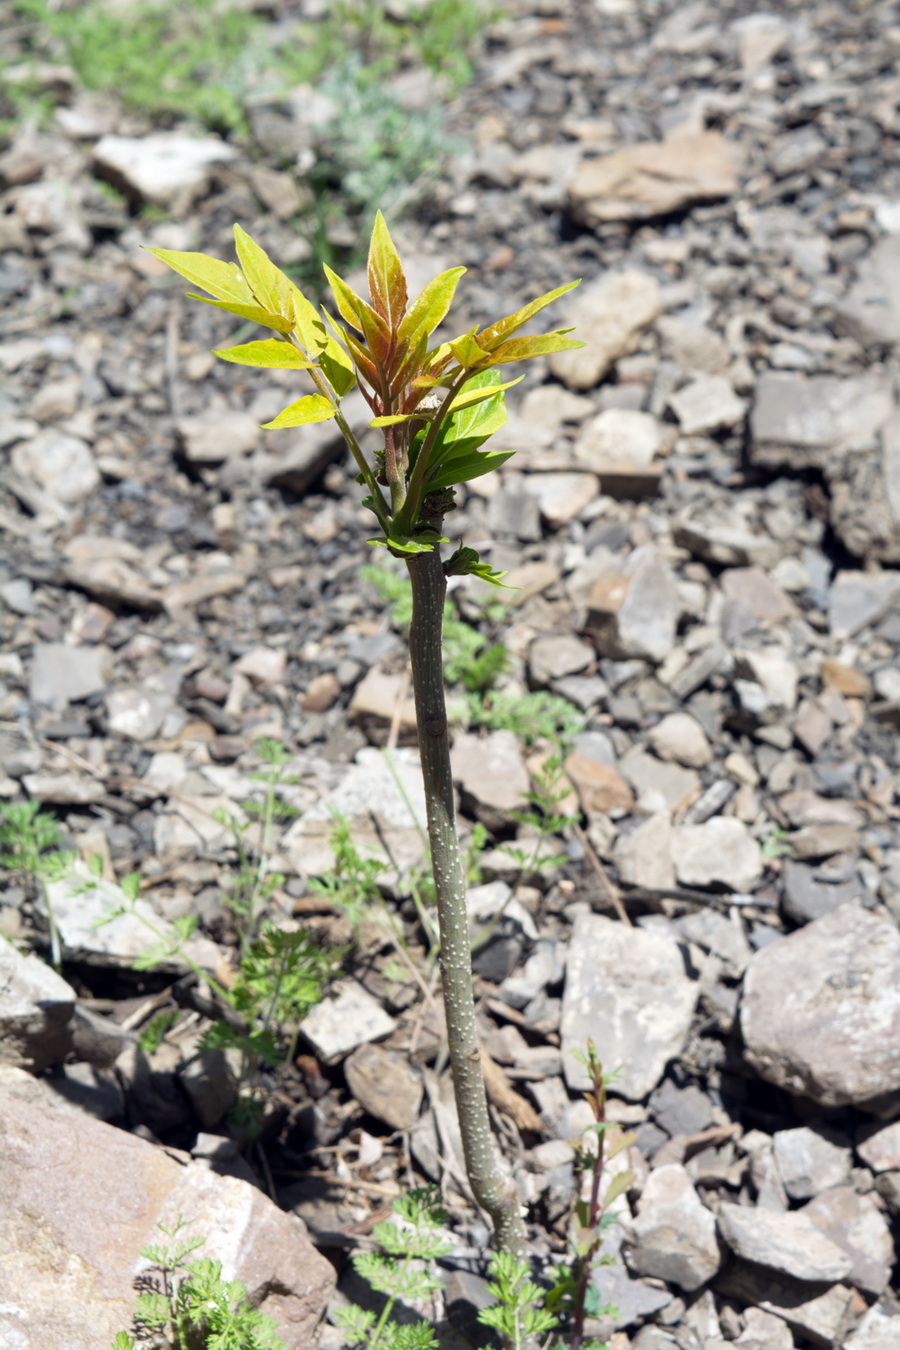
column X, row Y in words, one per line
column 436, row 403
column 402, row 1271
column 254, row 885
column 189, row 1305
column 573, row 1297
column 28, row 839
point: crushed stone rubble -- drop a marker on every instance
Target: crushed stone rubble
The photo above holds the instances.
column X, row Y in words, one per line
column 702, row 521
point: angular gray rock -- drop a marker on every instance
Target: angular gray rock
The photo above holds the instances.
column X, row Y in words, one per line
column 871, row 308
column 722, row 851
column 626, row 988
column 385, row 1084
column 491, row 772
column 820, row 1012
column 809, row 1162
column 61, row 674
column 879, row 1147
column 707, row 405
column 674, row 1234
column 95, row 1195
column 810, row 421
column 36, row 1007
column 59, row 463
column 634, row 607
column 877, row 1331
column 854, row 1223
column 787, row 1242
column 349, row 1017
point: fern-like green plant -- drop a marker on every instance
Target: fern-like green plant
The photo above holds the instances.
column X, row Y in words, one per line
column 400, row 1270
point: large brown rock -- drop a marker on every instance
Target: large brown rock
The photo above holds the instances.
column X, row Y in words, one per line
column 78, row 1200
column 654, row 178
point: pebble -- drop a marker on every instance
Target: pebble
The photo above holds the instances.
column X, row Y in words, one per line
column 492, row 774
column 600, row 787
column 61, row 674
column 820, row 1013
column 809, row 1162
column 707, row 405
column 36, row 1007
column 856, row 1225
column 628, row 990
column 348, row 1018
column 674, row 1235
column 633, row 609
column 681, row 738
column 385, row 1084
column 720, row 852
column 643, row 857
column 62, row 465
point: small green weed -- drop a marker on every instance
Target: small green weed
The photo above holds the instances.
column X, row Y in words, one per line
column 189, row 1306
column 156, row 1030
column 775, row 845
column 518, row 1313
column 400, row 1270
column 28, row 839
column 535, row 716
column 253, row 884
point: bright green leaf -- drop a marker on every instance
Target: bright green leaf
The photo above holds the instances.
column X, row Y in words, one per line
column 462, row 468
column 337, row 366
column 392, row 419
column 428, row 312
column 467, row 352
column 255, row 313
column 473, row 394
column 520, row 349
column 491, row 336
column 408, row 544
column 348, row 302
column 312, row 408
column 222, row 280
column 270, row 353
column 268, row 283
column 387, row 283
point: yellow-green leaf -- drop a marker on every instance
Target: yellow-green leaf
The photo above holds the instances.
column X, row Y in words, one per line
column 467, row 351
column 623, row 1141
column 392, row 419
column 496, row 332
column 349, row 304
column 618, row 1186
column 271, row 353
column 429, row 310
column 255, row 313
column 470, row 396
column 337, row 365
column 312, row 408
column 520, row 349
column 221, row 279
column 268, row 283
column 387, row 282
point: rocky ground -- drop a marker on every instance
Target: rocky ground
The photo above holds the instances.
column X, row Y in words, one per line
column 703, row 520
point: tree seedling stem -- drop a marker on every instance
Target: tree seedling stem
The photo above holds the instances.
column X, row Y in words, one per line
column 436, row 406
